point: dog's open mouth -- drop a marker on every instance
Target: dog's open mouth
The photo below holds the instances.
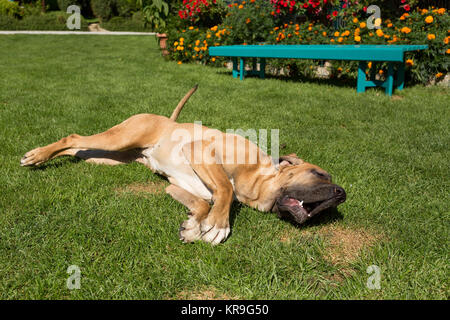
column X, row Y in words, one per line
column 301, row 210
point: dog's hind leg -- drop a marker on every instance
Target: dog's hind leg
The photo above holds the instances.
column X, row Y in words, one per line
column 139, row 131
column 198, row 210
column 111, row 158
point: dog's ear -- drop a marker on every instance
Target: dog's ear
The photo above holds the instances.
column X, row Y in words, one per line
column 289, row 160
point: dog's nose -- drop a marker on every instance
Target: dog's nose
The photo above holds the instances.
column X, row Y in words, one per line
column 340, row 193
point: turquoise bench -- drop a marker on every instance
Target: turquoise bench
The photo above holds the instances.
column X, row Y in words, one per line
column 393, row 54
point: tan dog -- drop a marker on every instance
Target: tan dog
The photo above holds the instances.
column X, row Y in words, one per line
column 206, row 169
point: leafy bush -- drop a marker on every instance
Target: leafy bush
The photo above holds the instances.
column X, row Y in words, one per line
column 54, row 20
column 106, row 9
column 10, row 9
column 251, row 22
column 103, row 9
column 136, row 24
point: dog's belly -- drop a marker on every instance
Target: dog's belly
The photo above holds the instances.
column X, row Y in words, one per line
column 170, row 162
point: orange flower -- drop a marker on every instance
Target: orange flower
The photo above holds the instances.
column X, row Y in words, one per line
column 441, row 11
column 389, row 25
column 405, row 30
column 438, row 75
column 424, row 11
column 380, row 71
column 362, row 25
column 355, row 20
column 179, row 62
column 369, row 64
column 324, row 34
column 431, row 36
column 357, row 38
column 429, row 19
column 448, row 51
column 379, row 32
column 340, row 39
column 446, row 40
column 240, row 6
column 409, row 62
column 248, row 20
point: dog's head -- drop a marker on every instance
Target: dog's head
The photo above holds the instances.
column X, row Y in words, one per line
column 306, row 190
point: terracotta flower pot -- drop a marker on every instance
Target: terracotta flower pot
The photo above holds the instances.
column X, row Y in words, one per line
column 162, row 40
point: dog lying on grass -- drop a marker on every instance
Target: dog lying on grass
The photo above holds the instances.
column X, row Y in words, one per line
column 207, row 169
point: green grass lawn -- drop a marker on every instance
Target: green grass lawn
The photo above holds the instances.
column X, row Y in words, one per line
column 390, row 155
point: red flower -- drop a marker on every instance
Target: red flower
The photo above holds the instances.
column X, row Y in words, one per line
column 335, row 13
column 407, row 7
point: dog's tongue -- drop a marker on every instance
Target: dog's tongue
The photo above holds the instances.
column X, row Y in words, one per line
column 294, row 204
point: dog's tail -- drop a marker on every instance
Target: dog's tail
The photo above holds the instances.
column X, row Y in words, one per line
column 182, row 102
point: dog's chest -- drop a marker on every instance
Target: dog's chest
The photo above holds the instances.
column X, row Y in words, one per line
column 169, row 161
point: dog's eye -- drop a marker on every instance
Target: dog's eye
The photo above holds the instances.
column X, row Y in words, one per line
column 321, row 175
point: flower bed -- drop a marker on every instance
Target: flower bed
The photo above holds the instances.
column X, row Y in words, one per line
column 314, row 22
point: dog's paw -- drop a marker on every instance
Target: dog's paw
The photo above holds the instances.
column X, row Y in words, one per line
column 214, row 234
column 190, row 230
column 33, row 158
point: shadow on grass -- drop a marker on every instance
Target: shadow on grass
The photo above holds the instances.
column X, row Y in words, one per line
column 57, row 163
column 343, row 82
column 328, row 216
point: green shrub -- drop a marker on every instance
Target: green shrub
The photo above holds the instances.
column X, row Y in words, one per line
column 54, row 20
column 125, row 24
column 250, row 23
column 102, row 9
column 10, row 9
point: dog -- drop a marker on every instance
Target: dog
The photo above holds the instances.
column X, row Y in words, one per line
column 205, row 175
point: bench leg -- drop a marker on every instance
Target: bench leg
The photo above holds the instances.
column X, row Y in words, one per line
column 242, row 68
column 390, row 79
column 361, row 84
column 400, row 76
column 235, row 67
column 262, row 68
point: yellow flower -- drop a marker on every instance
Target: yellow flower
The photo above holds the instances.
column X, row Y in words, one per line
column 409, row 62
column 324, row 34
column 179, row 62
column 345, row 33
column 377, row 22
column 340, row 39
column 362, row 25
column 369, row 64
column 357, row 38
column 191, row 28
column 175, row 43
column 240, row 6
column 424, row 11
column 336, row 34
column 431, row 36
column 379, row 32
column 429, row 19
column 208, row 36
column 181, row 39
column 213, row 59
column 355, row 20
column 339, row 69
column 441, row 11
column 197, row 49
column 214, row 28
column 197, row 42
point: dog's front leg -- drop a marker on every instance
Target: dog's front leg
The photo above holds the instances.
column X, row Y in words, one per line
column 215, row 228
